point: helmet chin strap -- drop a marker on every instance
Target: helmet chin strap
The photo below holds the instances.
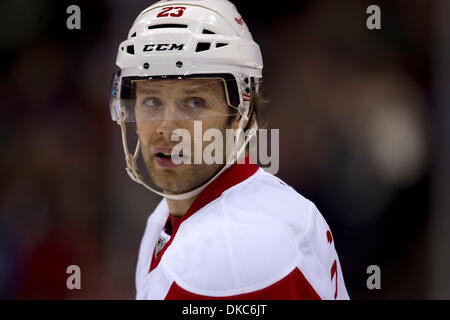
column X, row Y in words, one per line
column 133, row 170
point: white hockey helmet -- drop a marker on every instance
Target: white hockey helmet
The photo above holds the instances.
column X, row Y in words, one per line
column 183, row 40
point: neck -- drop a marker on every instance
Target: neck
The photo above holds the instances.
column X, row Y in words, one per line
column 179, row 207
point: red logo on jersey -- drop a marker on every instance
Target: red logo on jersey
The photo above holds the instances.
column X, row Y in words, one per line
column 239, row 21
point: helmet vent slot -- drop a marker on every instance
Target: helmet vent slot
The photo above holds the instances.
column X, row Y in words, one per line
column 202, row 46
column 219, row 45
column 167, row 25
column 133, row 35
column 206, row 31
column 130, row 49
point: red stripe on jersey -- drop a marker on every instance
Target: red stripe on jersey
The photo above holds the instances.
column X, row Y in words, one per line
column 292, row 287
column 234, row 175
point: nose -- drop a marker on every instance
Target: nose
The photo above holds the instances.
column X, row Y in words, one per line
column 165, row 128
column 168, row 122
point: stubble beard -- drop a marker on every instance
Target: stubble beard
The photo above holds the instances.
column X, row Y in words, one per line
column 181, row 179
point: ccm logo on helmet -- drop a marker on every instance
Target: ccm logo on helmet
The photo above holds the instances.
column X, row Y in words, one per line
column 163, row 47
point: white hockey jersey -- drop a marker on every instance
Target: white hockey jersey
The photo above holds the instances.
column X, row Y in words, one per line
column 248, row 235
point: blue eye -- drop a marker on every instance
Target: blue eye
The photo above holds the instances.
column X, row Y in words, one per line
column 195, row 102
column 152, row 102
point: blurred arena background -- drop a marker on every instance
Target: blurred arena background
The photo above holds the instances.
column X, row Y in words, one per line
column 364, row 133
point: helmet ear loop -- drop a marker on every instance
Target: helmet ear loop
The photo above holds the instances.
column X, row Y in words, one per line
column 247, row 87
column 131, row 164
column 239, row 145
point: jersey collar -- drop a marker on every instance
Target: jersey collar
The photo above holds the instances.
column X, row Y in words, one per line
column 229, row 178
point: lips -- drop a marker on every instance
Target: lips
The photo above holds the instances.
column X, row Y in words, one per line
column 163, row 157
column 162, row 150
column 167, row 152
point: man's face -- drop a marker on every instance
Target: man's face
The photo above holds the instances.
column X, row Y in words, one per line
column 163, row 106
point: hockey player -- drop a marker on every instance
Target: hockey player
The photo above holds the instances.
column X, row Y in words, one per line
column 224, row 230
